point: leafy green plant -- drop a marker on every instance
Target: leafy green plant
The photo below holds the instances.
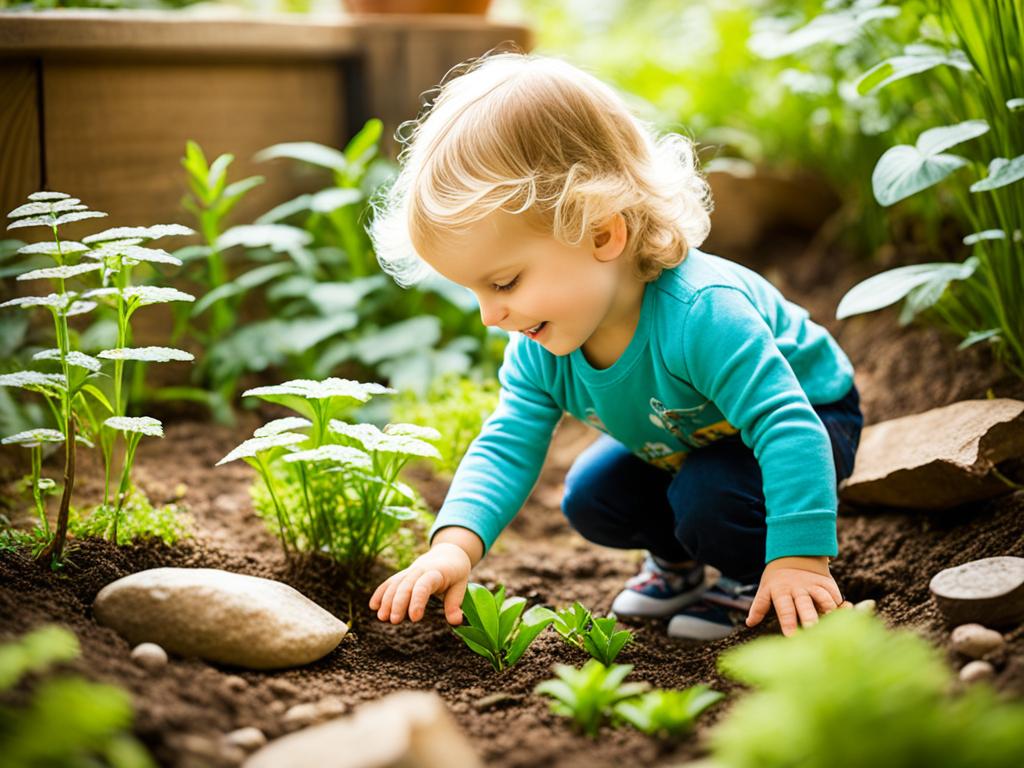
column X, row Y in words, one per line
column 351, row 502
column 667, row 714
column 138, row 520
column 589, row 695
column 497, row 627
column 62, row 720
column 849, row 692
column 967, row 67
column 461, row 403
column 82, row 410
column 596, row 636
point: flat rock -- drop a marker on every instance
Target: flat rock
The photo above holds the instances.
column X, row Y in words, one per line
column 989, row 591
column 937, row 459
column 219, row 616
column 408, row 729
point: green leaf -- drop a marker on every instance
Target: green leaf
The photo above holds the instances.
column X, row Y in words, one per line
column 306, row 152
column 277, row 237
column 330, row 200
column 988, row 234
column 904, row 170
column 976, row 337
column 916, row 58
column 486, row 609
column 244, row 282
column 533, row 623
column 511, row 610
column 363, row 146
column 93, row 391
column 1001, row 173
column 887, row 288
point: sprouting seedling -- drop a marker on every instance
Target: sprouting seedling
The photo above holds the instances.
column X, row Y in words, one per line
column 34, row 439
column 497, row 627
column 107, row 257
column 596, row 636
column 134, row 429
column 589, row 695
column 667, row 713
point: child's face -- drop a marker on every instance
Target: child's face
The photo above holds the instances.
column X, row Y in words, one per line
column 558, row 295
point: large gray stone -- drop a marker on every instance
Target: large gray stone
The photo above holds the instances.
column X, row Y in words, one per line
column 408, row 729
column 220, row 616
column 937, row 459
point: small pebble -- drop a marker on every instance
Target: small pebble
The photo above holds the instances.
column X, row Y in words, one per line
column 975, row 671
column 299, row 716
column 250, row 739
column 975, row 641
column 149, row 656
column 330, row 707
column 235, row 684
column 866, row 605
column 283, row 687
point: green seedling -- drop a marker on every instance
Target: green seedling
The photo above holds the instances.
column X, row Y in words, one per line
column 496, row 626
column 596, row 636
column 84, row 411
column 589, row 695
column 667, row 714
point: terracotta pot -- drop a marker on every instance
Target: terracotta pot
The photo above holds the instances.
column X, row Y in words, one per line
column 475, row 7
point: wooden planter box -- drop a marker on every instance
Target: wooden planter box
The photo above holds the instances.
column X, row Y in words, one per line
column 100, row 104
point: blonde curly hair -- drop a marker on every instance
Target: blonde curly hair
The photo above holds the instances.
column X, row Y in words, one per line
column 530, row 134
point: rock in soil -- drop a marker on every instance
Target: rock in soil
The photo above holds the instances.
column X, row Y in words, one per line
column 150, row 656
column 219, row 616
column 975, row 640
column 976, row 671
column 408, row 729
column 249, row 739
column 938, row 459
column 989, row 591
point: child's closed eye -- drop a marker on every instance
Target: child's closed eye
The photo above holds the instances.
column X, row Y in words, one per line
column 506, row 286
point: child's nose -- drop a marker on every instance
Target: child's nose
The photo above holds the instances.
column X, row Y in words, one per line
column 493, row 312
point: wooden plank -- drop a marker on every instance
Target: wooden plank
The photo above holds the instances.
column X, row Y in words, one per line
column 115, row 134
column 19, row 136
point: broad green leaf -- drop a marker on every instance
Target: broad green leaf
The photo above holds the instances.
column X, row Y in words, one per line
column 837, row 28
column 340, row 454
column 257, row 445
column 329, row 200
column 340, row 297
column 41, row 208
column 915, row 59
column 412, row 430
column 98, row 396
column 511, row 610
column 132, row 255
column 34, row 381
column 77, row 359
column 55, row 221
column 904, row 170
column 60, row 273
column 48, row 196
column 285, row 424
column 53, row 248
column 887, row 288
column 304, row 151
column 402, row 514
column 277, row 237
column 469, row 606
column 145, row 425
column 363, row 145
column 1015, row 105
column 215, row 179
column 244, row 282
column 399, row 339
column 144, row 295
column 478, row 643
column 284, row 210
column 988, row 234
column 33, row 438
column 1001, row 173
column 486, row 609
column 976, row 337
column 147, row 354
column 153, row 232
column 533, row 623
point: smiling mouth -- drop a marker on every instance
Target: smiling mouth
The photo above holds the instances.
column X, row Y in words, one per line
column 535, row 330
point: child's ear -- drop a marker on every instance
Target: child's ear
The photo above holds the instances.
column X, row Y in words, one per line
column 610, row 238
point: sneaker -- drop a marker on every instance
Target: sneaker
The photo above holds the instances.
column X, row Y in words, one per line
column 656, row 591
column 722, row 609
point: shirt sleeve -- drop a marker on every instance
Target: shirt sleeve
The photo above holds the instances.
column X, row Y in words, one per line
column 502, row 465
column 731, row 357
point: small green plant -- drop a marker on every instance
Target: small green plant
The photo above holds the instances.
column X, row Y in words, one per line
column 849, row 692
column 667, row 714
column 139, row 520
column 349, row 502
column 589, row 695
column 497, row 627
column 82, row 410
column 596, row 636
column 65, row 720
column 462, row 404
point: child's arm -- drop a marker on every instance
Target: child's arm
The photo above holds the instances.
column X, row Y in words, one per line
column 444, row 570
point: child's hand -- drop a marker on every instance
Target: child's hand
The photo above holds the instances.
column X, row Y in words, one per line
column 443, row 570
column 797, row 587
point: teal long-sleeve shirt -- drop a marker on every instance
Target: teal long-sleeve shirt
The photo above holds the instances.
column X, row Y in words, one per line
column 717, row 350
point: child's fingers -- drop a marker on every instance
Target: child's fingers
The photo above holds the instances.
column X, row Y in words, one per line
column 425, row 586
column 403, row 594
column 786, row 612
column 384, row 613
column 453, row 602
column 833, row 589
column 805, row 609
column 378, row 594
column 759, row 608
column 823, row 598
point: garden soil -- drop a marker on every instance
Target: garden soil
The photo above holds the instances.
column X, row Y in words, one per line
column 884, row 555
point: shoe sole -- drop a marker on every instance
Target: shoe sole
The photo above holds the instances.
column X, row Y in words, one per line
column 652, row 608
column 689, row 628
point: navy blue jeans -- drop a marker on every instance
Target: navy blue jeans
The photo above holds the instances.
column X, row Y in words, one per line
column 712, row 510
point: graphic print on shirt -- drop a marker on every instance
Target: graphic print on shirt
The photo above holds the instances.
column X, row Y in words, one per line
column 595, row 421
column 688, row 424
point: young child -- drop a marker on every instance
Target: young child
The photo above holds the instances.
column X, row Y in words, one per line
column 727, row 414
